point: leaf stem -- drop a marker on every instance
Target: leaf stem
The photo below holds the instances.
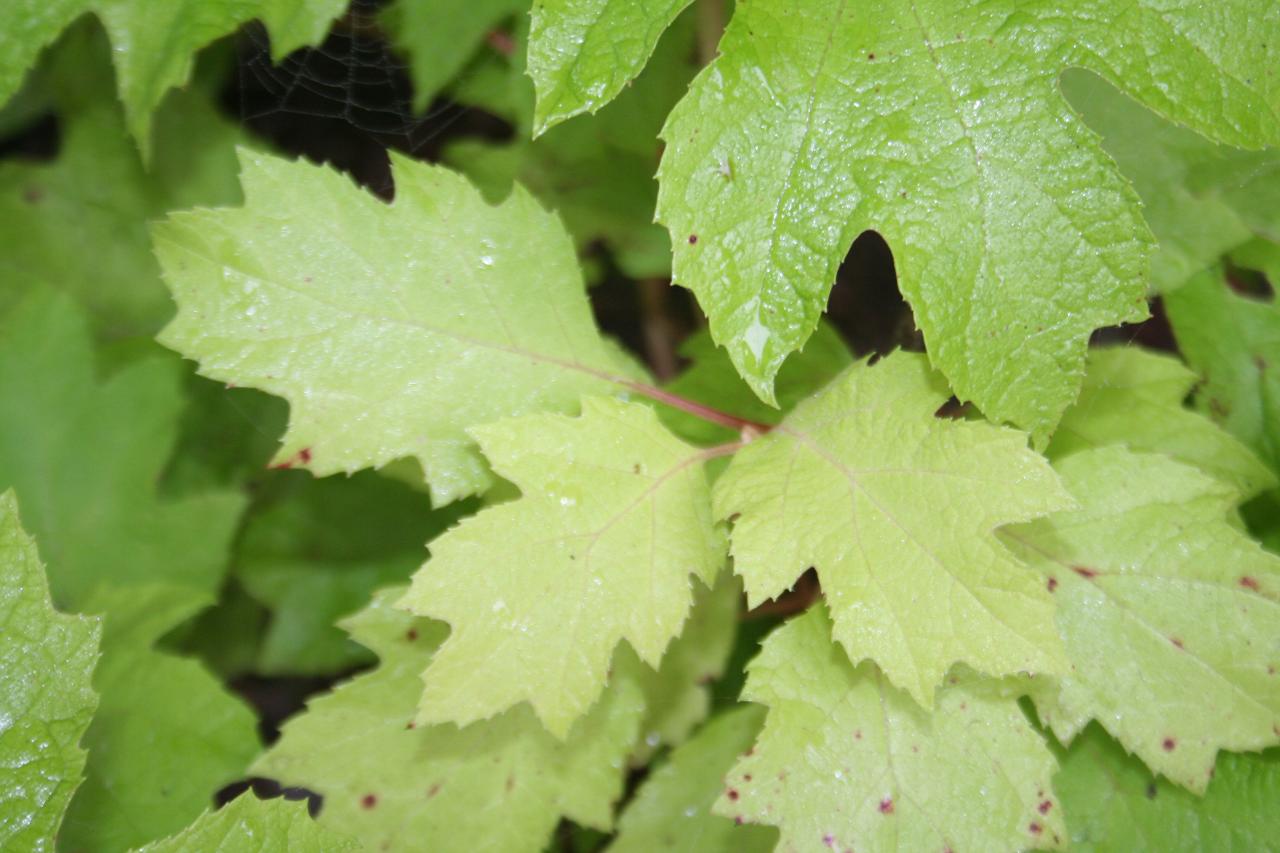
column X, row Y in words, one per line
column 698, row 410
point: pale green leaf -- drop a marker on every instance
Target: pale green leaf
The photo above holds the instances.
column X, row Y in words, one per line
column 500, row 785
column 583, row 52
column 1170, row 615
column 672, row 809
column 79, row 222
column 89, row 454
column 677, row 693
column 1113, row 803
column 613, row 519
column 250, row 825
column 439, row 36
column 1197, row 195
column 153, row 43
column 390, row 328
column 896, row 509
column 940, row 125
column 847, row 761
column 46, row 661
column 1234, row 343
column 1133, row 397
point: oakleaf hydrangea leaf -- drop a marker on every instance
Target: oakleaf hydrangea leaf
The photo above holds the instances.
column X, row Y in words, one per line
column 583, row 52
column 390, row 328
column 500, row 785
column 80, row 222
column 1112, row 802
column 153, row 43
column 89, row 452
column 46, row 661
column 440, row 36
column 896, row 509
column 614, row 517
column 847, row 761
column 1234, row 343
column 940, row 125
column 1134, row 398
column 1190, row 186
column 250, row 825
column 672, row 809
column 1170, row 615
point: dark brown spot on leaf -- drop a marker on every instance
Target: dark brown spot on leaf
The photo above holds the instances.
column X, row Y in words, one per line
column 1152, row 790
column 1249, row 582
column 1087, row 573
column 433, row 790
column 733, row 794
column 693, row 239
column 1053, row 584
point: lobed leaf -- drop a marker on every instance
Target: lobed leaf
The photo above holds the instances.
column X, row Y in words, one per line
column 252, row 825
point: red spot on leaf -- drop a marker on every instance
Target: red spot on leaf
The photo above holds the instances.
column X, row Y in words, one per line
column 368, row 801
column 886, row 805
column 302, row 457
column 693, row 239
column 1044, row 807
column 737, row 821
column 733, row 794
column 1169, row 744
column 1035, row 828
column 1053, row 584
column 411, row 634
column 829, row 840
column 1087, row 573
column 1249, row 583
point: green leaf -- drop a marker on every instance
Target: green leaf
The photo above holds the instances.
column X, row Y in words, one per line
column 896, row 509
column 152, row 44
column 672, row 809
column 712, row 380
column 1191, row 188
column 46, row 661
column 940, row 126
column 315, row 549
column 583, row 52
column 1234, row 343
column 1113, row 803
column 79, row 223
column 309, row 292
column 1133, row 398
column 614, row 516
column 677, row 693
column 439, row 36
column 251, row 825
column 85, row 456
column 1161, row 603
column 498, row 785
column 845, row 760
column 597, row 172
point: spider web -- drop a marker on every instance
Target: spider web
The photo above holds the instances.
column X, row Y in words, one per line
column 345, row 101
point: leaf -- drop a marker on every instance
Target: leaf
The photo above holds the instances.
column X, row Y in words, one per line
column 896, row 509
column 1133, row 398
column 251, row 825
column 672, row 808
column 79, row 223
column 308, row 292
column 1233, row 342
column 614, row 517
column 152, row 44
column 940, row 126
column 583, row 52
column 84, row 456
column 845, row 760
column 439, row 37
column 596, row 172
column 712, row 380
column 1188, row 184
column 1161, row 603
column 677, row 694
column 390, row 784
column 1113, row 803
column 45, row 698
